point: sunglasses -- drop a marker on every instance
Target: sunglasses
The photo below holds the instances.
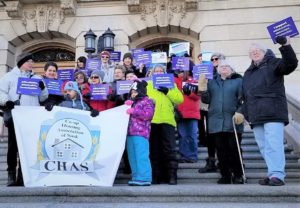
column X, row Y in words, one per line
column 94, row 77
column 214, row 59
column 105, row 57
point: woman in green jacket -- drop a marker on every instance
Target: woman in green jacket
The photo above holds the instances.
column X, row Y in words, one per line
column 162, row 136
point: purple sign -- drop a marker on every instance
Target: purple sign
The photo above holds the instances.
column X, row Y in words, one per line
column 144, row 57
column 28, row 86
column 54, row 86
column 284, row 27
column 180, row 63
column 99, row 91
column 163, row 80
column 65, row 74
column 92, row 64
column 115, row 56
column 123, row 87
column 206, row 69
column 137, row 50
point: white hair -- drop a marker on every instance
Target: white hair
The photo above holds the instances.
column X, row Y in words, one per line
column 258, row 46
column 224, row 62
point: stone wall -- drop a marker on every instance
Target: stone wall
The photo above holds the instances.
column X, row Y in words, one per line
column 224, row 26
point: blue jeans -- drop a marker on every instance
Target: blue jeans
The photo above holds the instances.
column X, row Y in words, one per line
column 138, row 155
column 188, row 139
column 269, row 137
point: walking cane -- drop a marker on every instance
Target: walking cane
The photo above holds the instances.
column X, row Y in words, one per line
column 239, row 150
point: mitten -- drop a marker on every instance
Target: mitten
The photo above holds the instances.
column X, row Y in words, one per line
column 238, row 118
column 130, row 111
column 94, row 113
column 9, row 105
column 164, row 90
column 186, row 89
column 48, row 106
column 41, row 85
column 87, row 95
column 202, row 83
column 128, row 102
column 281, row 40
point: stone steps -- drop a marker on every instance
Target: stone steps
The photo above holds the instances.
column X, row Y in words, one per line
column 249, row 193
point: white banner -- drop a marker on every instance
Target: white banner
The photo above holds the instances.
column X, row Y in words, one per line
column 68, row 147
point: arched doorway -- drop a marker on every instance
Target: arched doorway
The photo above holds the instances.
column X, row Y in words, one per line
column 158, row 39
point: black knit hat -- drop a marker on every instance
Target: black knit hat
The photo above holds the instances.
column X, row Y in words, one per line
column 140, row 87
column 23, row 57
column 127, row 55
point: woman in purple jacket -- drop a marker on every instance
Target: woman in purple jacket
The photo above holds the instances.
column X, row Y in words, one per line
column 141, row 113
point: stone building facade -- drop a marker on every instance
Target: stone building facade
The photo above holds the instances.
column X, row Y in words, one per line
column 227, row 26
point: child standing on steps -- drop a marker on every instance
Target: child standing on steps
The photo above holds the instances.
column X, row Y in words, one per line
column 141, row 113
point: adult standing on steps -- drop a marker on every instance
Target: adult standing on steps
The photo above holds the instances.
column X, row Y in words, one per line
column 9, row 98
column 224, row 96
column 265, row 105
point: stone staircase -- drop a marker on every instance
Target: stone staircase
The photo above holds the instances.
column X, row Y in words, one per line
column 192, row 187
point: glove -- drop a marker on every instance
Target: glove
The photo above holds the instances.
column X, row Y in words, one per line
column 48, row 106
column 164, row 90
column 87, row 95
column 111, row 97
column 202, row 83
column 128, row 102
column 41, row 85
column 130, row 111
column 238, row 118
column 94, row 113
column 281, row 40
column 186, row 89
column 9, row 105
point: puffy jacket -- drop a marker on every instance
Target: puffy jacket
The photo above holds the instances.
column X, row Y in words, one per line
column 190, row 108
column 164, row 104
column 224, row 98
column 8, row 89
column 76, row 104
column 263, row 87
column 140, row 119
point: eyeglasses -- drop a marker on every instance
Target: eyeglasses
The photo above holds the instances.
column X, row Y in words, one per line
column 105, row 57
column 79, row 77
column 94, row 77
column 214, row 59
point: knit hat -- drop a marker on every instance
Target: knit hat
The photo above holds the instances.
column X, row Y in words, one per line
column 140, row 87
column 23, row 57
column 71, row 85
column 98, row 73
column 127, row 55
column 219, row 55
column 105, row 53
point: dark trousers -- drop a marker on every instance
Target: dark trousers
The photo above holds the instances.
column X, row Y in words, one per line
column 163, row 150
column 204, row 136
column 227, row 152
column 12, row 150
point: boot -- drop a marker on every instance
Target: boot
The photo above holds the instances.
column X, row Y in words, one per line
column 19, row 181
column 172, row 177
column 210, row 166
column 11, row 180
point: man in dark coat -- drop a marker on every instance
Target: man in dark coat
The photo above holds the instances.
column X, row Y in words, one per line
column 265, row 105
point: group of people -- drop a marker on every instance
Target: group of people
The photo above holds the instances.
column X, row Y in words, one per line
column 206, row 110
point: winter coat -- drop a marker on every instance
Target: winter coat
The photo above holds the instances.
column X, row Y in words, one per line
column 85, row 91
column 140, row 119
column 164, row 104
column 108, row 70
column 224, row 98
column 263, row 87
column 190, row 108
column 8, row 89
column 76, row 104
